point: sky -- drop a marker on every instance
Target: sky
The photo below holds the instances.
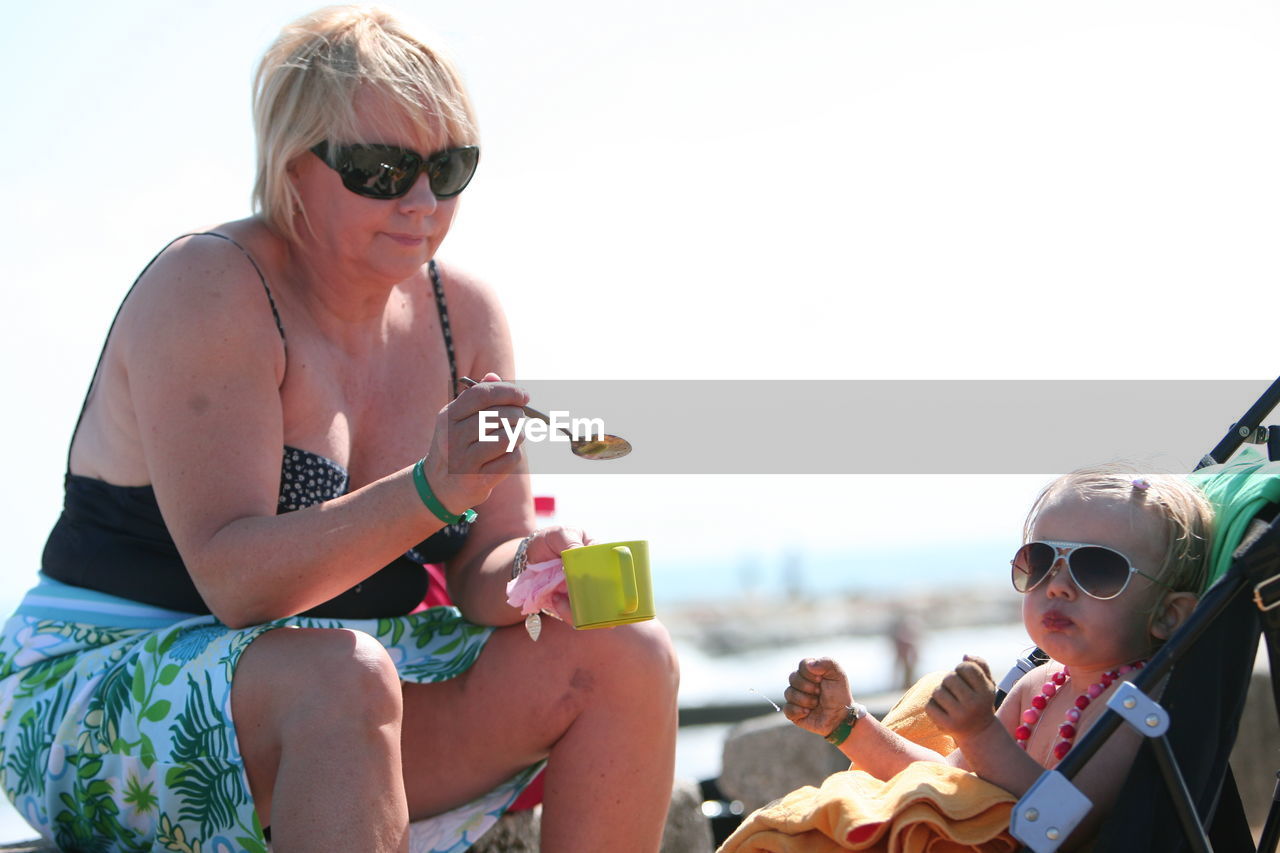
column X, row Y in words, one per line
column 711, row 190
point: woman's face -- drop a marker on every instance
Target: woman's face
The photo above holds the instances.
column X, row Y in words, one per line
column 388, row 238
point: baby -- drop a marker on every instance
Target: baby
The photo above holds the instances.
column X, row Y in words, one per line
column 1113, row 564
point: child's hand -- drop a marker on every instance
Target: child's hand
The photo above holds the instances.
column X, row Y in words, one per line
column 964, row 703
column 818, row 698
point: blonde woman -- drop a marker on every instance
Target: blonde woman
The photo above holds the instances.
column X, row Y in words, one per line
column 221, row 648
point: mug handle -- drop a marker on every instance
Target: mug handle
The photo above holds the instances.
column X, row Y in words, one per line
column 630, row 595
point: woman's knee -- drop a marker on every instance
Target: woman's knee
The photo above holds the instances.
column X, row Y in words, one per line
column 310, row 677
column 642, row 654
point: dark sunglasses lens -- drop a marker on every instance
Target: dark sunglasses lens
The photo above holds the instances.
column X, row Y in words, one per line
column 1032, row 562
column 451, row 170
column 378, row 171
column 1098, row 571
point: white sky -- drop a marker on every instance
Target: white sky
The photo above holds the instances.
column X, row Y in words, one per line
column 726, row 189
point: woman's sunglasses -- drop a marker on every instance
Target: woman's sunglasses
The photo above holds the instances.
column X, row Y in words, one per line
column 1098, row 571
column 386, row 171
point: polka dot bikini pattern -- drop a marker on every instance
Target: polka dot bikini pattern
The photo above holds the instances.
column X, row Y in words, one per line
column 307, row 478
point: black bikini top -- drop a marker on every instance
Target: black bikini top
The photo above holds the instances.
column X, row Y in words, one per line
column 113, row 538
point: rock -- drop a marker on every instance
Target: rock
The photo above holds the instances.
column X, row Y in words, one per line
column 767, row 757
column 688, row 829
column 515, row 832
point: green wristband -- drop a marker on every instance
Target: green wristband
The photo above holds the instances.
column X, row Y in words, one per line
column 432, row 502
column 841, row 732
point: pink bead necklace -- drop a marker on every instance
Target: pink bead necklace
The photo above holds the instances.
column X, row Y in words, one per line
column 1066, row 731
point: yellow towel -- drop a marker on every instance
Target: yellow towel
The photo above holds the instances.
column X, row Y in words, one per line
column 927, row 808
column 908, row 718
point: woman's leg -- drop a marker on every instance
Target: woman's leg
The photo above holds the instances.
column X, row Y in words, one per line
column 317, row 716
column 599, row 704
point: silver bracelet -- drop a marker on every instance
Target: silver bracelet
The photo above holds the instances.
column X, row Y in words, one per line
column 522, row 556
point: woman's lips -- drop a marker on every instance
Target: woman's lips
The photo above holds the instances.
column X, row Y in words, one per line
column 408, row 239
column 1055, row 621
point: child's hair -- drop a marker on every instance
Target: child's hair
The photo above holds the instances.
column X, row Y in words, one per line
column 1184, row 512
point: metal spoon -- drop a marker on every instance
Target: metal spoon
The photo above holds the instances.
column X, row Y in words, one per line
column 605, row 447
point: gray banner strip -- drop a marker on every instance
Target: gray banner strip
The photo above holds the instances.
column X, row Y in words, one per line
column 891, row 426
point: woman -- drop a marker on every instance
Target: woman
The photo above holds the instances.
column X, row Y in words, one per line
column 148, row 699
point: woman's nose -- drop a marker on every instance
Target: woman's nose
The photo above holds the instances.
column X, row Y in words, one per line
column 420, row 198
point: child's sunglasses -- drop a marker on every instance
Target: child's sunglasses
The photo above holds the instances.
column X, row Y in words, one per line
column 1098, row 571
column 387, row 171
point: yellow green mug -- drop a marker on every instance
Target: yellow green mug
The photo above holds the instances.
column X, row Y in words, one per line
column 609, row 584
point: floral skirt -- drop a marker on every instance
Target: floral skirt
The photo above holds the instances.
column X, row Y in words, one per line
column 121, row 739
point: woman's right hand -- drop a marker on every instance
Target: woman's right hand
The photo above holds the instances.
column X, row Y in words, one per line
column 462, row 469
column 818, row 698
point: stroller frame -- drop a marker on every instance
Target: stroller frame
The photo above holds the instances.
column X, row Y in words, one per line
column 1051, row 809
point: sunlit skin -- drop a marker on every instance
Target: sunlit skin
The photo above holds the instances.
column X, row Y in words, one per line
column 1089, row 635
column 377, row 241
column 197, row 395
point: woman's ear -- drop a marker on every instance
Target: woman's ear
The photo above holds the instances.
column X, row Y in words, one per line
column 1171, row 613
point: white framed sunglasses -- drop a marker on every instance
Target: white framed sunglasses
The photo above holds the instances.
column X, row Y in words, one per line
column 1097, row 570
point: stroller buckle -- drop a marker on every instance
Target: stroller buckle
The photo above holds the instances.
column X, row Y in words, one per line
column 1048, row 812
column 1139, row 710
column 1267, row 601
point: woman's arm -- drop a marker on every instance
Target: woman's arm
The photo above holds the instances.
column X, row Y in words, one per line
column 204, row 365
column 478, row 575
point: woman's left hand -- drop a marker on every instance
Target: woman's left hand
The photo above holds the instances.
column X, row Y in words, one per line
column 549, row 543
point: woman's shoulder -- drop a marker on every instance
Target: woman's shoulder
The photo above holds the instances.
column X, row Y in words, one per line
column 215, row 279
column 466, row 293
column 480, row 332
column 229, row 251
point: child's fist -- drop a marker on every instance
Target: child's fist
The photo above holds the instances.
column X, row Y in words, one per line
column 818, row 698
column 964, row 703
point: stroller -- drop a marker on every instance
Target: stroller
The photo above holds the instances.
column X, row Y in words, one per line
column 1180, row 793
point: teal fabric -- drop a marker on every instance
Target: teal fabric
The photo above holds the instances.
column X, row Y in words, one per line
column 1238, row 489
column 116, row 739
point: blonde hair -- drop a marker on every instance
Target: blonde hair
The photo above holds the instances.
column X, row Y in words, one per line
column 307, row 84
column 1185, row 514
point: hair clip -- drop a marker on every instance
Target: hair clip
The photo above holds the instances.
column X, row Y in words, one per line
column 1141, row 484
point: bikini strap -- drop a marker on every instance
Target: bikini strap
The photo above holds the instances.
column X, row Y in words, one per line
column 275, row 312
column 102, row 354
column 444, row 326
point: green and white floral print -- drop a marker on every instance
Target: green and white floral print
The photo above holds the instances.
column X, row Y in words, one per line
column 121, row 739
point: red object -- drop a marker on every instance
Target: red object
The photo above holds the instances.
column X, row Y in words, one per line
column 530, row 796
column 438, row 594
column 1067, row 731
column 544, row 507
column 437, row 589
column 863, row 833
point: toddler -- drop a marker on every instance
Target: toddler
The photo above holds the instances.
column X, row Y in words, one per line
column 1112, row 564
